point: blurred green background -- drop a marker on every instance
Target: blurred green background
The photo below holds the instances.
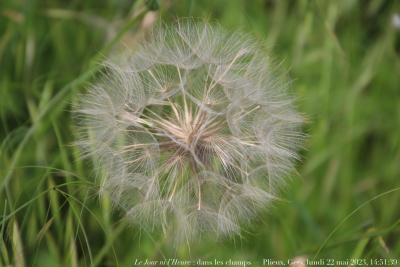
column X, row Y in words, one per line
column 343, row 60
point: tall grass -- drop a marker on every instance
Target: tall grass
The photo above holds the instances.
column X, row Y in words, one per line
column 343, row 58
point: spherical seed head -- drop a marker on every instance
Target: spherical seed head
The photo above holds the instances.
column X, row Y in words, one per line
column 193, row 131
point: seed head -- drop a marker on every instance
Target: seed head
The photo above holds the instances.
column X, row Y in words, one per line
column 193, row 131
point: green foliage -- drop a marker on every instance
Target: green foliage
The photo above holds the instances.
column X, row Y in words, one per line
column 343, row 57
